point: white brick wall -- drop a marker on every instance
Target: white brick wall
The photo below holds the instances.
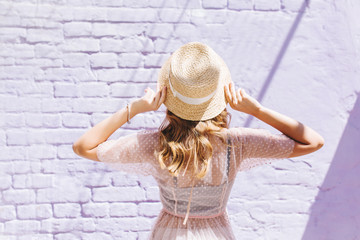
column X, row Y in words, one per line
column 66, row 65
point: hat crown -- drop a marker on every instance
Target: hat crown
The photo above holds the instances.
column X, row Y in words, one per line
column 194, row 70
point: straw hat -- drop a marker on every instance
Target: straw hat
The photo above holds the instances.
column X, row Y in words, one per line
column 195, row 77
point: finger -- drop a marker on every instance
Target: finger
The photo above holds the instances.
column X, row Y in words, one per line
column 156, row 98
column 149, row 93
column 227, row 93
column 163, row 95
column 243, row 93
column 238, row 95
column 233, row 94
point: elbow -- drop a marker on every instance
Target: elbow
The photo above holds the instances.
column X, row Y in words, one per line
column 319, row 143
column 76, row 148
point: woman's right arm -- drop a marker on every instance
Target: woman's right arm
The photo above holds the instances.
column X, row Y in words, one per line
column 306, row 139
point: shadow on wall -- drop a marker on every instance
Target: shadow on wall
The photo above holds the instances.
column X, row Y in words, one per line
column 336, row 212
column 280, row 56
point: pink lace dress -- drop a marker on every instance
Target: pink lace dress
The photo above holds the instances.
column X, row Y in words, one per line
column 193, row 208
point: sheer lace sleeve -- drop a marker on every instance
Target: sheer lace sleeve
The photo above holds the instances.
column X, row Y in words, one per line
column 256, row 146
column 132, row 153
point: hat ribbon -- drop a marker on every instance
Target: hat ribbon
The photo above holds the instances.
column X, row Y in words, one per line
column 190, row 100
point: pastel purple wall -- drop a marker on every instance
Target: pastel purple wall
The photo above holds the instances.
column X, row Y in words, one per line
column 66, row 65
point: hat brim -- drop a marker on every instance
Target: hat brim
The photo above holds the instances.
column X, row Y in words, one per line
column 207, row 110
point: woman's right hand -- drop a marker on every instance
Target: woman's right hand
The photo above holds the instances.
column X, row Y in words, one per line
column 239, row 100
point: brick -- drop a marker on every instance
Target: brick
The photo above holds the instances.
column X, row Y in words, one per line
column 123, row 210
column 12, row 35
column 26, row 88
column 159, row 30
column 66, row 90
column 47, row 51
column 19, row 73
column 124, row 223
column 36, row 120
column 123, row 180
column 75, row 120
column 21, row 181
column 6, row 167
column 64, row 192
column 108, row 3
column 35, row 166
column 44, row 35
column 77, row 29
column 19, row 196
column 185, row 30
column 56, row 105
column 240, row 5
column 155, row 60
column 97, row 105
column 21, row 227
column 16, row 50
column 5, row 181
column 127, row 75
column 113, row 194
column 66, row 236
column 7, row 212
column 130, row 60
column 153, row 194
column 6, row 61
column 63, row 136
column 166, row 46
column 216, row 17
column 60, row 13
column 292, row 5
column 58, row 225
column 168, row 15
column 122, row 89
column 66, row 74
column 12, row 120
column 10, row 21
column 267, row 5
column 127, row 45
column 214, row 4
column 94, row 89
column 67, row 210
column 2, row 138
column 41, row 180
column 176, row 4
column 36, row 237
column 131, row 15
column 95, row 210
column 43, row 63
column 96, row 180
column 76, row 60
column 63, row 225
column 41, row 211
column 89, row 13
column 135, row 3
column 150, row 209
column 103, row 60
column 215, row 30
column 80, row 45
column 118, row 30
column 13, row 152
column 98, row 235
column 21, row 166
column 40, row 23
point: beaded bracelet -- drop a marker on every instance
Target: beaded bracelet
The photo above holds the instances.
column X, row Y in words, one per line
column 128, row 110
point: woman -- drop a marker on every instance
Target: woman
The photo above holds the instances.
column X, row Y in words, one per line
column 195, row 156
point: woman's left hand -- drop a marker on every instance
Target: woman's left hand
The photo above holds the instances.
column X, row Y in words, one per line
column 151, row 101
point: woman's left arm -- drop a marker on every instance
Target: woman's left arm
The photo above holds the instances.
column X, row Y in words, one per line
column 86, row 145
